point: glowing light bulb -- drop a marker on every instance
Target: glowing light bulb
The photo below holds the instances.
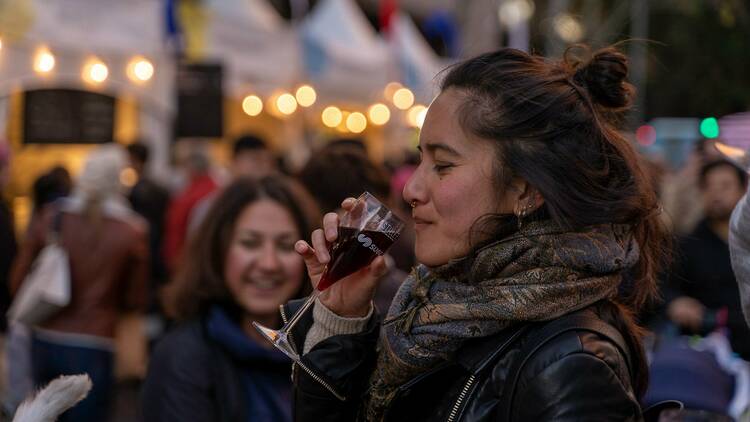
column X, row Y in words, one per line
column 568, row 27
column 331, row 116
column 94, row 71
column 356, row 122
column 286, row 103
column 403, row 98
column 416, row 115
column 306, row 95
column 379, row 114
column 140, row 69
column 252, row 105
column 391, row 89
column 44, row 61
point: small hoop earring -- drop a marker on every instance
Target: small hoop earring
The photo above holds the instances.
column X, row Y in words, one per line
column 522, row 214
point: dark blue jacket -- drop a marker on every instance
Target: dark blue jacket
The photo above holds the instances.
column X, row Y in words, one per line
column 207, row 370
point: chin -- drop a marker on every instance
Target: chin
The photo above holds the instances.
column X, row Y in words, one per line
column 262, row 309
column 430, row 258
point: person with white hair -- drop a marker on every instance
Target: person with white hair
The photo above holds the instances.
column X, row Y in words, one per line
column 107, row 246
column 739, row 248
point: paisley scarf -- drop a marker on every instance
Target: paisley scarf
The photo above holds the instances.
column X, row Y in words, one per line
column 537, row 274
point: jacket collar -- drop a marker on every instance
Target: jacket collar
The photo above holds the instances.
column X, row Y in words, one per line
column 477, row 353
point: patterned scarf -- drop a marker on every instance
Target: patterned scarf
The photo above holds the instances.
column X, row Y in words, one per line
column 537, row 274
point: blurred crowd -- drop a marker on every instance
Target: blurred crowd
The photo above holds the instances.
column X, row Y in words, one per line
column 167, row 280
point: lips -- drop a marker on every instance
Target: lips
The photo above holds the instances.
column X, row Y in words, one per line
column 420, row 223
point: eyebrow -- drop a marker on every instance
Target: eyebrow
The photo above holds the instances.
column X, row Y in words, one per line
column 433, row 147
column 261, row 234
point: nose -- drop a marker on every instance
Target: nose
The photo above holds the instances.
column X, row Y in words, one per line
column 269, row 258
column 414, row 190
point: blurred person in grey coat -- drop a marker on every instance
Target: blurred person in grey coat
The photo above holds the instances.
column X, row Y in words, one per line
column 739, row 248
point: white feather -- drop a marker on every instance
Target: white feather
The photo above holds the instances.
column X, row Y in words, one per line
column 58, row 396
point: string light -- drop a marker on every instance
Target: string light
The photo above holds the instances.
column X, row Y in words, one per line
column 286, row 103
column 331, row 116
column 356, row 122
column 379, row 114
column 252, row 105
column 44, row 61
column 140, row 69
column 94, row 71
column 391, row 89
column 306, row 95
column 403, row 98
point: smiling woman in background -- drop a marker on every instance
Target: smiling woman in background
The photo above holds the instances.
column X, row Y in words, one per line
column 239, row 267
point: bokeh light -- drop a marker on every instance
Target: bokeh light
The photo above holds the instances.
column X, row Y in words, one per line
column 403, row 98
column 646, row 135
column 286, row 103
column 415, row 116
column 331, row 116
column 140, row 69
column 391, row 89
column 306, row 95
column 513, row 12
column 710, row 127
column 356, row 122
column 95, row 71
column 568, row 28
column 44, row 61
column 252, row 105
column 379, row 114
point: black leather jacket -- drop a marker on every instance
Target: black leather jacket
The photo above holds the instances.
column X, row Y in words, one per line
column 578, row 375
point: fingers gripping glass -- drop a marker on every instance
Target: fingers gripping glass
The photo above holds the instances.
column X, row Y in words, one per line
column 364, row 233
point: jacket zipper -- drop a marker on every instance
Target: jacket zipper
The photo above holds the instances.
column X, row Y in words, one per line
column 461, row 398
column 305, row 368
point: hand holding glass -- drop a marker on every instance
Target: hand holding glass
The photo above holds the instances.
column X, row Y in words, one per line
column 365, row 232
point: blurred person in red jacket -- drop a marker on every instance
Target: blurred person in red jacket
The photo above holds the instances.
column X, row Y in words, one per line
column 250, row 158
column 107, row 246
column 200, row 185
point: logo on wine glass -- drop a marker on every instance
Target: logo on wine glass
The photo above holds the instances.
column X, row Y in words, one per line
column 364, row 240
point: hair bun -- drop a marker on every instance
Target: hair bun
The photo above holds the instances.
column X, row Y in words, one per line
column 605, row 78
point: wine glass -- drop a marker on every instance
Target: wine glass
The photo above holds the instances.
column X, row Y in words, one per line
column 364, row 233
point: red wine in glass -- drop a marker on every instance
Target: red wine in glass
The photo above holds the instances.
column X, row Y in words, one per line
column 365, row 232
column 354, row 249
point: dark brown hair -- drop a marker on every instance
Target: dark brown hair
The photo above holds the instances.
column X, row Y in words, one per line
column 554, row 124
column 336, row 173
column 199, row 282
column 710, row 166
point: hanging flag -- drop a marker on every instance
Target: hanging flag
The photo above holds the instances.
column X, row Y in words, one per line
column 442, row 25
column 193, row 20
column 173, row 32
column 386, row 12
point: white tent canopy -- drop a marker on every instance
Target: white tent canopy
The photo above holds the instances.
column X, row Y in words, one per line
column 344, row 57
column 75, row 31
column 419, row 65
column 260, row 51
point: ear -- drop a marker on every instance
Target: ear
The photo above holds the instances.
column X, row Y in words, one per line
column 526, row 196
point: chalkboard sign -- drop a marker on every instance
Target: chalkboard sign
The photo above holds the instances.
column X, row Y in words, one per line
column 199, row 100
column 67, row 116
